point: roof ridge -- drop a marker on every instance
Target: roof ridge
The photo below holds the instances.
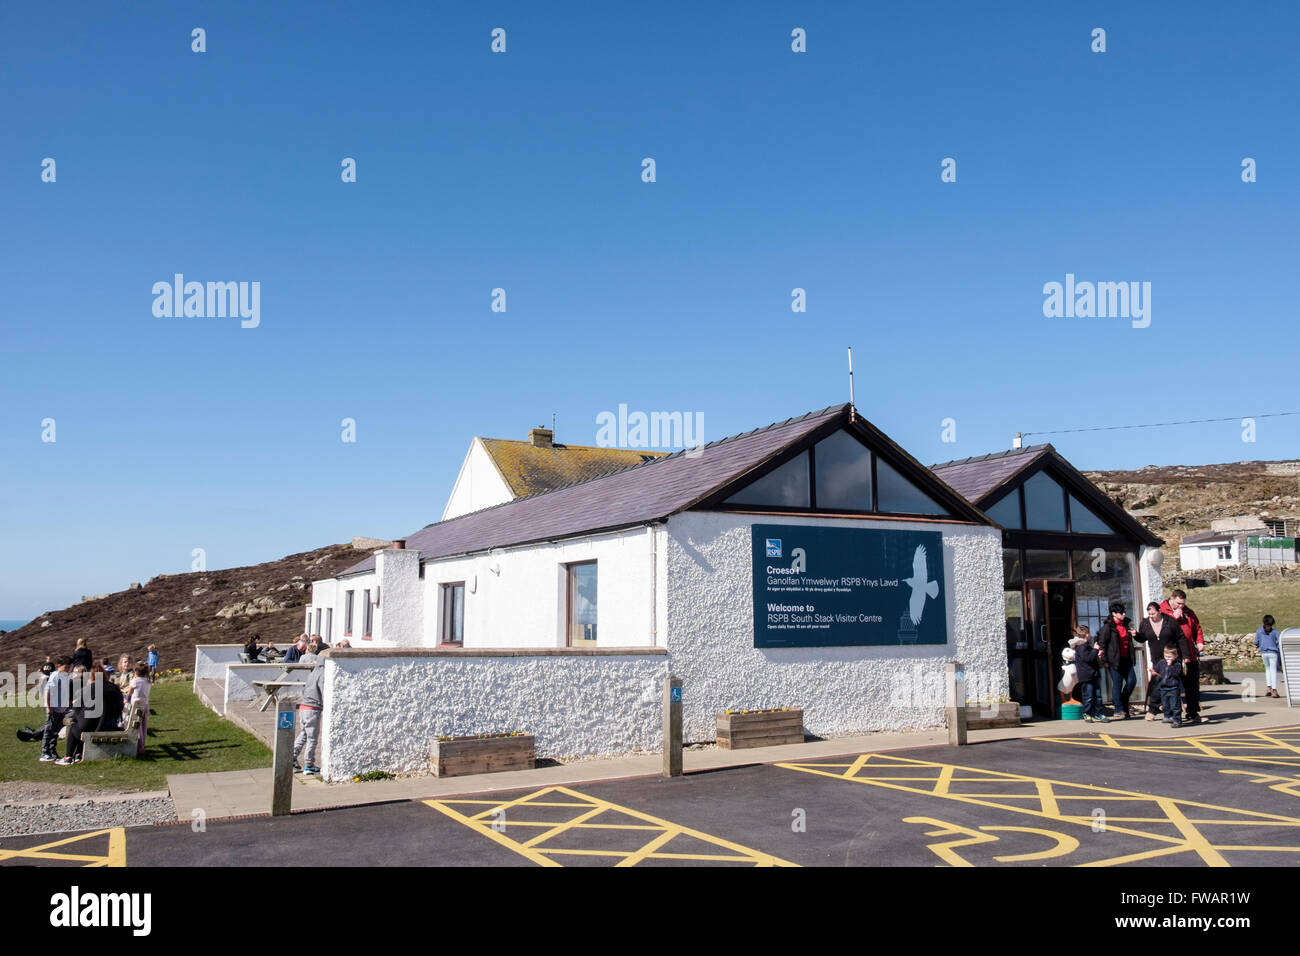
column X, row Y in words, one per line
column 1046, row 446
column 555, row 445
column 639, row 464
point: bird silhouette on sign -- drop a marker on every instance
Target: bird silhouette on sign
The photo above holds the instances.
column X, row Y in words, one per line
column 921, row 585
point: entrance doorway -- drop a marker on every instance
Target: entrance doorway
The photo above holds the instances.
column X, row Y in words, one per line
column 1049, row 617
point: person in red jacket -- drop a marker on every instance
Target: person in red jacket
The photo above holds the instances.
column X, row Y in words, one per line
column 1186, row 619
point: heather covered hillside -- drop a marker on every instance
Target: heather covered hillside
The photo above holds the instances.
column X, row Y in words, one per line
column 177, row 611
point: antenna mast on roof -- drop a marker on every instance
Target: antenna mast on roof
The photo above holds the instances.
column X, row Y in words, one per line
column 852, row 406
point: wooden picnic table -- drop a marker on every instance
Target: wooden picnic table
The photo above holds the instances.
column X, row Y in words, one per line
column 272, row 689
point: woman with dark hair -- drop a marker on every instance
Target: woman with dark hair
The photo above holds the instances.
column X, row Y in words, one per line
column 1116, row 639
column 1156, row 630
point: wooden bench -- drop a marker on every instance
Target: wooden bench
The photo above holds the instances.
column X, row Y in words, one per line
column 103, row 744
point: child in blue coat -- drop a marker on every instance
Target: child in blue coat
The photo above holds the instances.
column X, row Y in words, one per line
column 1087, row 667
column 1168, row 674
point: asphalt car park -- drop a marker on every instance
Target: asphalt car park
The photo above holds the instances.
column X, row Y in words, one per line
column 1110, row 799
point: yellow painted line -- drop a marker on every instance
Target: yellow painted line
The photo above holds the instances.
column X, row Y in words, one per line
column 487, row 831
column 1279, row 743
column 1065, row 844
column 534, row 849
column 632, row 859
column 537, row 803
column 503, row 805
column 947, row 851
column 559, row 828
column 1194, row 837
column 1189, row 839
column 584, row 826
column 1219, row 745
column 1134, row 857
column 114, row 856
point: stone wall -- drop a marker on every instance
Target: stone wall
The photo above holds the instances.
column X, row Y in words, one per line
column 1237, row 650
column 1245, row 572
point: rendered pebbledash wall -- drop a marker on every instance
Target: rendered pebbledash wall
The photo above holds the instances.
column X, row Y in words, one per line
column 384, row 708
column 841, row 689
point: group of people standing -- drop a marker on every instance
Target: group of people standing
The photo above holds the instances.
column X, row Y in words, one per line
column 83, row 696
column 1174, row 641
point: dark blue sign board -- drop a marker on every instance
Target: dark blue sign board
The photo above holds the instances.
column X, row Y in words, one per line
column 674, row 694
column 286, row 720
column 816, row 586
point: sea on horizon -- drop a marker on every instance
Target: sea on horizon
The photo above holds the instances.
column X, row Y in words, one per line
column 11, row 625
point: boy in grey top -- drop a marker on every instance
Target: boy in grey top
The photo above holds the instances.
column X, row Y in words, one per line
column 309, row 712
column 57, row 694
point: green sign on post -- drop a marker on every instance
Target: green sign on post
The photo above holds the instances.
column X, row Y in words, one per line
column 816, row 586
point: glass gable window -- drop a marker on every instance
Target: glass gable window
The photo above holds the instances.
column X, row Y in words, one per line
column 1044, row 504
column 1007, row 511
column 894, row 493
column 1083, row 521
column 787, row 486
column 843, row 467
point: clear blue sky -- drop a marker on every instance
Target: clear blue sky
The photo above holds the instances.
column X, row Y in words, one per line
column 775, row 170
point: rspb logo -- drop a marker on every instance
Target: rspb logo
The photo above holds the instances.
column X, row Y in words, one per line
column 773, row 547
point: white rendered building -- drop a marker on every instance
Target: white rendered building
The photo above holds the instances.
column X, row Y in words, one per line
column 812, row 563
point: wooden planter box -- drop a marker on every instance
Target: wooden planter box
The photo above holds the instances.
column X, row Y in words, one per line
column 761, row 729
column 464, row 755
column 984, row 717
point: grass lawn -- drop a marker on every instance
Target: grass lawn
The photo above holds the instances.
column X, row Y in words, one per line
column 1244, row 604
column 183, row 737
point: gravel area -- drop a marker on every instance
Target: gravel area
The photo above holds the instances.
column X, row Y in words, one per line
column 53, row 808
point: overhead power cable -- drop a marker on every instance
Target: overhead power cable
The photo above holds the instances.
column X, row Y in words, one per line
column 1190, row 421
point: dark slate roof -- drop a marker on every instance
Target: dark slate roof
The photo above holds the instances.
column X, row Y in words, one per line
column 982, row 479
column 638, row 494
column 976, row 477
column 1203, row 537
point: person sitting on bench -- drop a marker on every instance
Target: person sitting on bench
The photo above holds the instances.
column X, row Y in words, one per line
column 98, row 706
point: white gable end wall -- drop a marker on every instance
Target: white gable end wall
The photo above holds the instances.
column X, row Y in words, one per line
column 710, row 634
column 479, row 485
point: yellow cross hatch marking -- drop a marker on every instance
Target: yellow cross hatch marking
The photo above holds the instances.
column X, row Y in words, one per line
column 657, row 835
column 1279, row 747
column 114, row 856
column 1172, row 822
